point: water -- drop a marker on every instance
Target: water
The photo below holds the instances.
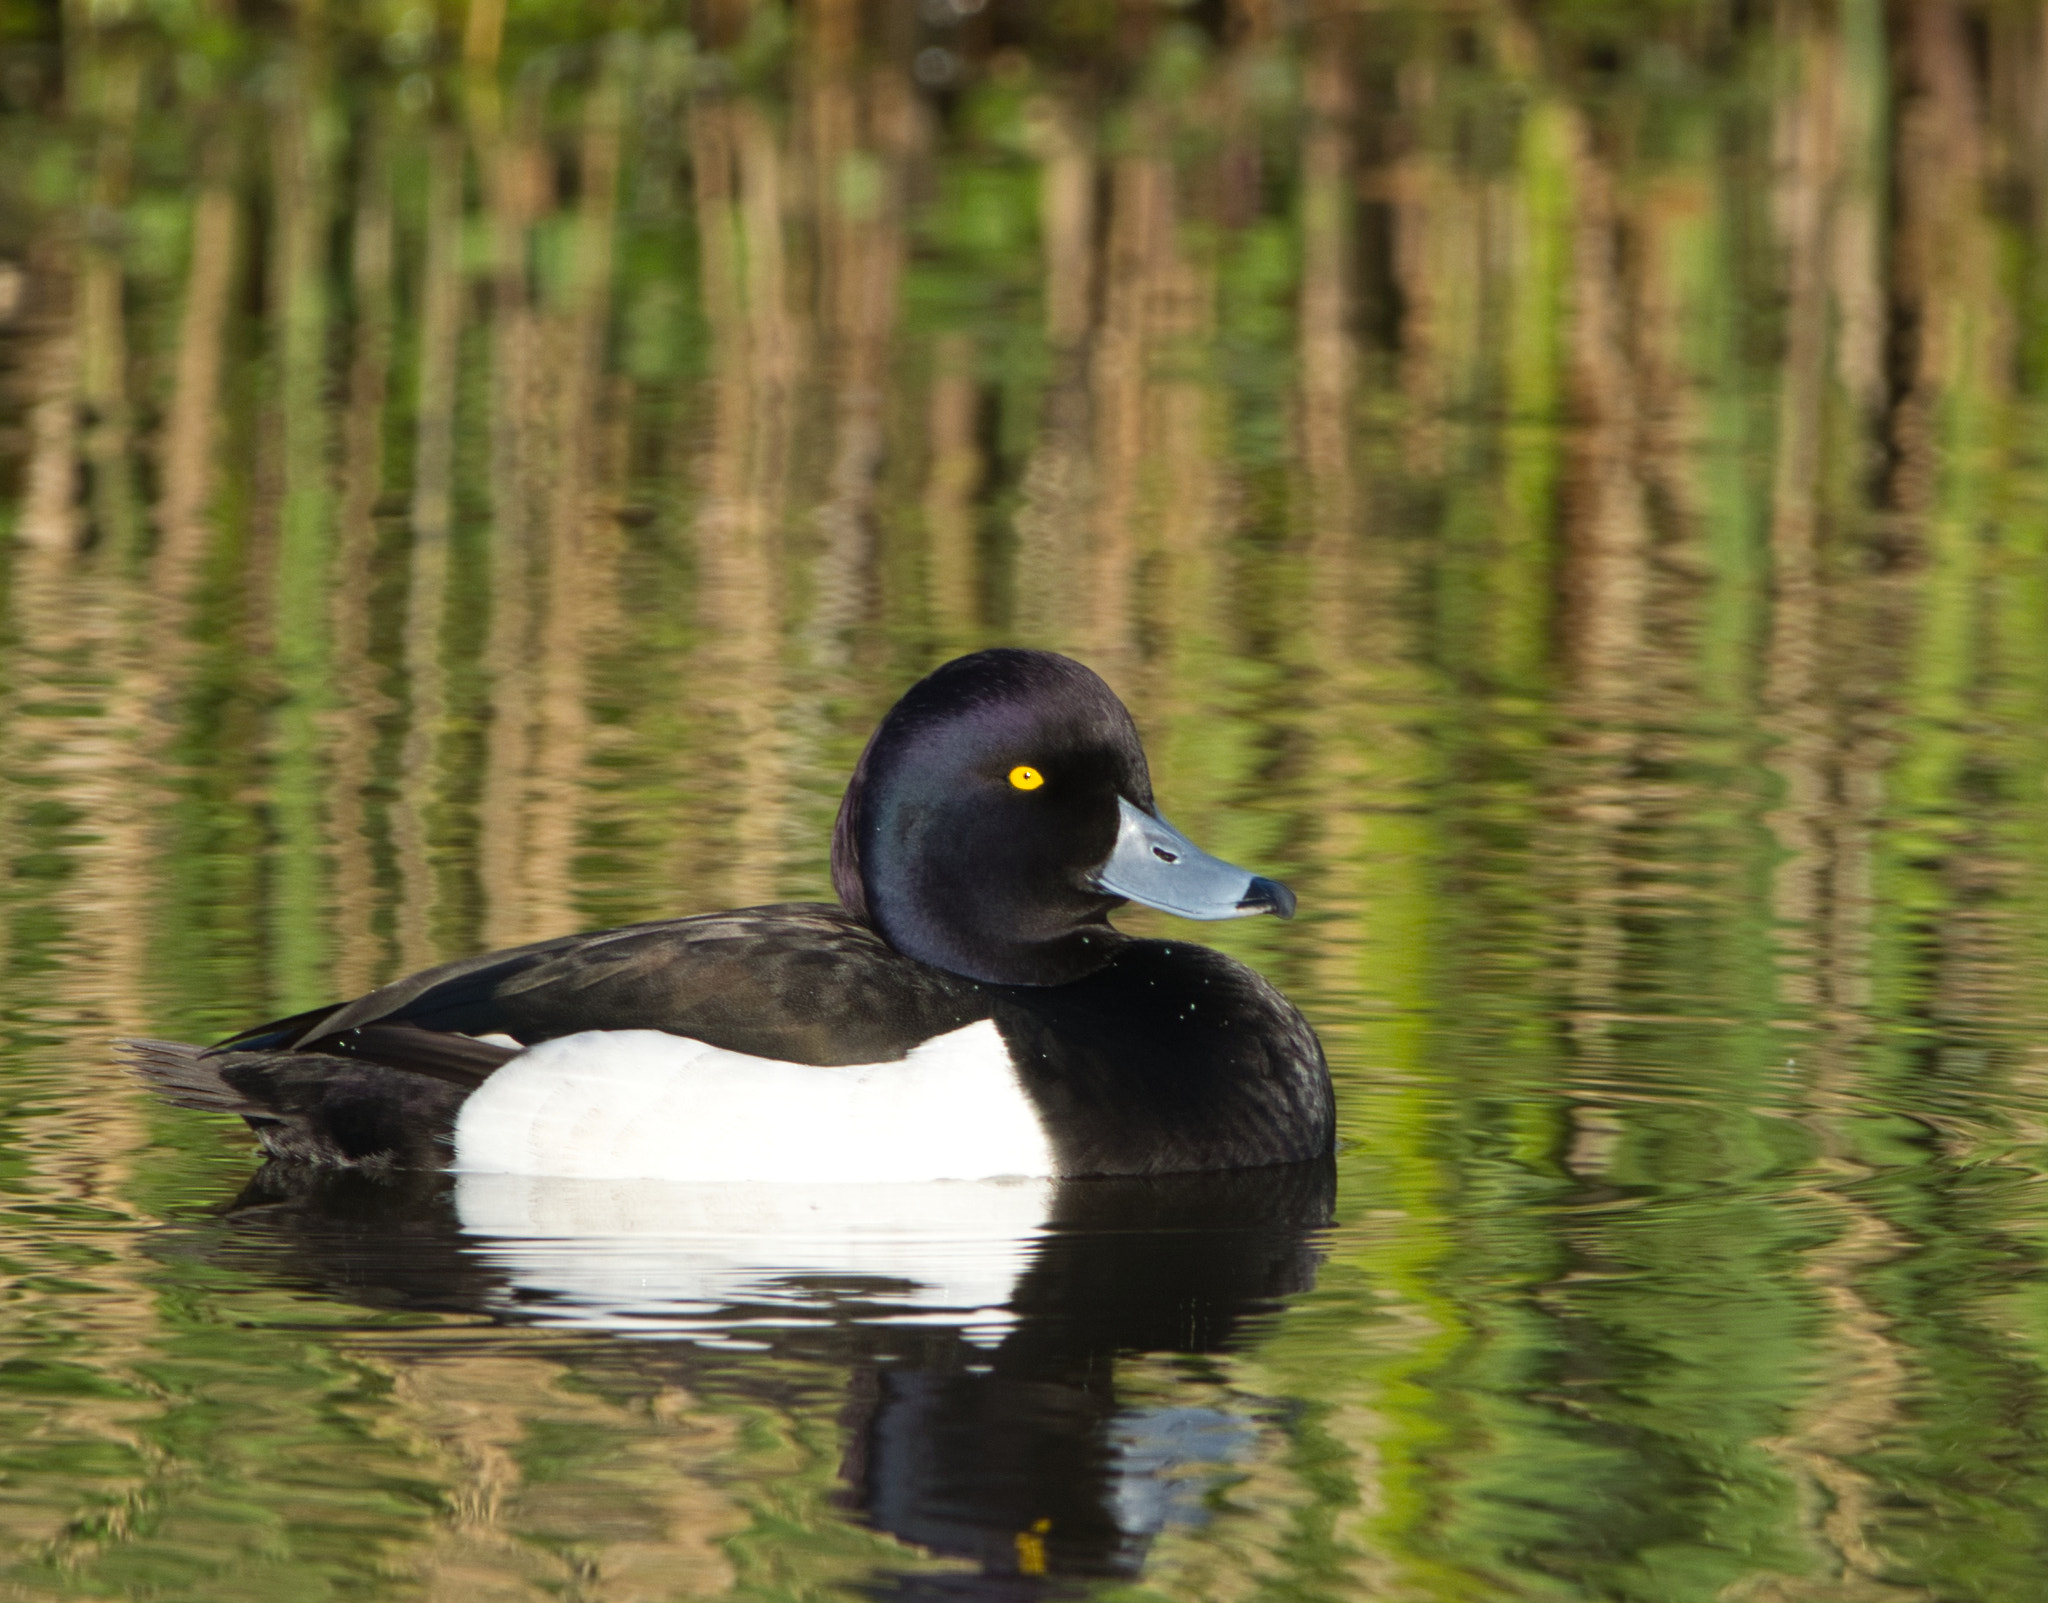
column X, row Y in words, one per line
column 1568, row 496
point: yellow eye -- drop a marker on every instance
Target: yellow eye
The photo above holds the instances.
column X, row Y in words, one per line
column 1025, row 777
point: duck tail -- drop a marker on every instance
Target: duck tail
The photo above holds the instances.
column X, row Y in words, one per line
column 182, row 1075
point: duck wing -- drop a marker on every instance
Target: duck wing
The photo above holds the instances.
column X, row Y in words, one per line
column 803, row 982
column 378, row 1081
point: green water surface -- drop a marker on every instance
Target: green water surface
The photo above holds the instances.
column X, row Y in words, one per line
column 1563, row 486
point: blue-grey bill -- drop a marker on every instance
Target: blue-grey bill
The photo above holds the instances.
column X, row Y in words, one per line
column 1155, row 865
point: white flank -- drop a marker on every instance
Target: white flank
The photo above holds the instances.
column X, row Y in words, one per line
column 719, row 1262
column 641, row 1104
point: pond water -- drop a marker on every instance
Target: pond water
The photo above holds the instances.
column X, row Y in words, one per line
column 1568, row 492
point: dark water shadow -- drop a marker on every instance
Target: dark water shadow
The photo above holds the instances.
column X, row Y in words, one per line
column 992, row 1434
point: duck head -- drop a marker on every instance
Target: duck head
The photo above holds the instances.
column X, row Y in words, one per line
column 1000, row 812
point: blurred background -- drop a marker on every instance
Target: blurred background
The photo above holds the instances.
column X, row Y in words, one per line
column 1565, row 485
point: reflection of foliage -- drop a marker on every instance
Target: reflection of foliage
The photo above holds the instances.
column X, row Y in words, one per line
column 1562, row 480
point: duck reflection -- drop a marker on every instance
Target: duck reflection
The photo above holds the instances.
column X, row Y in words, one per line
column 665, row 1259
column 980, row 1323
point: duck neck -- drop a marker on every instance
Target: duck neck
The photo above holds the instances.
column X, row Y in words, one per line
column 986, row 953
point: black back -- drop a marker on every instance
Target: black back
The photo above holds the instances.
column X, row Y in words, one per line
column 801, row 981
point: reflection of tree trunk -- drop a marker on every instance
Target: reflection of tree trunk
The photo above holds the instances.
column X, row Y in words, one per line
column 353, row 731
column 73, row 717
column 1178, row 583
column 952, row 578
column 1051, row 521
column 1821, row 891
column 1138, row 255
column 1673, row 425
column 1143, row 555
column 518, row 189
column 304, row 554
column 1358, row 644
column 1856, row 253
column 78, row 681
column 1066, row 220
column 1521, row 586
column 1792, row 688
column 103, row 400
column 48, row 520
column 1439, row 238
column 1606, row 550
column 106, row 443
column 1946, row 338
column 862, row 124
column 739, row 188
column 421, row 778
column 80, row 693
column 548, row 557
column 81, row 676
column 193, row 417
column 1324, row 340
column 1605, row 580
column 82, row 689
column 483, row 33
column 578, row 556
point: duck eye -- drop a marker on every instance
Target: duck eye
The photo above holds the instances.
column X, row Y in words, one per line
column 1025, row 777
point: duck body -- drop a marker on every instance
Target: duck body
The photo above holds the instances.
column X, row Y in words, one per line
column 966, row 1011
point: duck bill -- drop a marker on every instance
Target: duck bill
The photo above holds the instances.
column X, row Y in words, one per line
column 1155, row 865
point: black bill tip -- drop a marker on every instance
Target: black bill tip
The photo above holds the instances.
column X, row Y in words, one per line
column 1267, row 896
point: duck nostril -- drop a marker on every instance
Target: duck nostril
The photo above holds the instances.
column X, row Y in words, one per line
column 1164, row 855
